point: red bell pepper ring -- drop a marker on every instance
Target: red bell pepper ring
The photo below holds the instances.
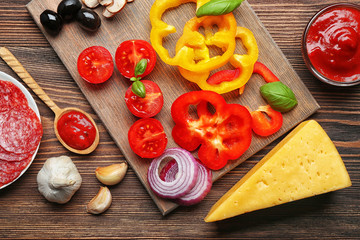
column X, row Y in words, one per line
column 265, row 126
column 265, row 72
column 223, row 135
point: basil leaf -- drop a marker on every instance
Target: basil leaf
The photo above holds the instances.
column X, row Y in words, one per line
column 138, row 89
column 218, row 7
column 140, row 67
column 279, row 96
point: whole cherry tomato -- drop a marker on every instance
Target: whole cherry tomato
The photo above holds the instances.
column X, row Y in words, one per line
column 95, row 64
column 130, row 52
column 148, row 106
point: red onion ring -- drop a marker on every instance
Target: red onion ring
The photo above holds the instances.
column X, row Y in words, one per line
column 185, row 179
column 169, row 171
column 198, row 192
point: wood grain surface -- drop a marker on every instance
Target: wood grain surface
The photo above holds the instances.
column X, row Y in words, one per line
column 25, row 214
column 107, row 98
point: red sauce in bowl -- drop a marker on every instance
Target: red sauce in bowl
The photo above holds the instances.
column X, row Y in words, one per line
column 333, row 43
column 76, row 130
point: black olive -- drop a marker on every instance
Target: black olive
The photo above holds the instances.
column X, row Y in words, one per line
column 68, row 9
column 51, row 21
column 88, row 19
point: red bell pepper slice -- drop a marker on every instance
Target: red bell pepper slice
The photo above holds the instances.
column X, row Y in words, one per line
column 229, row 75
column 224, row 75
column 265, row 126
column 265, row 72
column 223, row 135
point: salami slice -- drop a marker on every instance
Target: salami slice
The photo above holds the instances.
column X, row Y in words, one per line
column 11, row 95
column 10, row 156
column 10, row 167
column 20, row 130
column 6, row 177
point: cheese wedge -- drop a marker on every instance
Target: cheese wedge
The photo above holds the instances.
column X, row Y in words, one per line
column 305, row 163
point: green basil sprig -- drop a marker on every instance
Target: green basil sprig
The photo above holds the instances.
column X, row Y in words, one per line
column 279, row 96
column 218, row 7
column 138, row 87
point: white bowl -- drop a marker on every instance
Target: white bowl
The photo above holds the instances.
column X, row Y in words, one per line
column 32, row 105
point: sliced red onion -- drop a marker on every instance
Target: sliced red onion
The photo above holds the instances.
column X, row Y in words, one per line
column 169, row 171
column 201, row 188
column 198, row 192
column 185, row 178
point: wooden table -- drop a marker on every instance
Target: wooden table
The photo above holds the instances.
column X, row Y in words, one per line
column 24, row 213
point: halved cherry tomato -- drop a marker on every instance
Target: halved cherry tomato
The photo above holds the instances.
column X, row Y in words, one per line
column 265, row 126
column 147, row 138
column 95, row 64
column 148, row 106
column 130, row 52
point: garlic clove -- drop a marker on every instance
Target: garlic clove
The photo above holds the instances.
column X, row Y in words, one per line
column 101, row 202
column 112, row 174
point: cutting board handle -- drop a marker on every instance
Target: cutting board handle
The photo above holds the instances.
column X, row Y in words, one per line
column 17, row 67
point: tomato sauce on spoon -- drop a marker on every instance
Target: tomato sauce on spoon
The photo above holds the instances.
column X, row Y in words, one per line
column 76, row 130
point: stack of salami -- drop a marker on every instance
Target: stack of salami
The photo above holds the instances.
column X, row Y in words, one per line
column 20, row 132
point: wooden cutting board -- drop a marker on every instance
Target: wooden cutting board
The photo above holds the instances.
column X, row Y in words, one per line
column 133, row 22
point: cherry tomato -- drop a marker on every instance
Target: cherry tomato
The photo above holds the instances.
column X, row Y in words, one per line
column 148, row 106
column 95, row 64
column 147, row 138
column 130, row 52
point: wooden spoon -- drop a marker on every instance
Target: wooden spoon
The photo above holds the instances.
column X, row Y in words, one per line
column 10, row 59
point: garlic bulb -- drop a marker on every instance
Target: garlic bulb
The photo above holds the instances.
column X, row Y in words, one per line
column 58, row 179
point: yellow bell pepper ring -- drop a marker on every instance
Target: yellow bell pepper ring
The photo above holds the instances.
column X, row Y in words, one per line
column 160, row 29
column 194, row 77
column 244, row 62
column 223, row 38
column 192, row 51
